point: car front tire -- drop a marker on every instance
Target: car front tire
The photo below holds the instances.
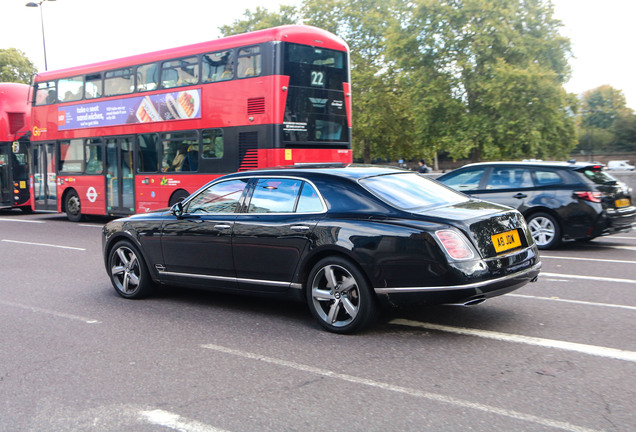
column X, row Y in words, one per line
column 128, row 272
column 339, row 296
column 545, row 230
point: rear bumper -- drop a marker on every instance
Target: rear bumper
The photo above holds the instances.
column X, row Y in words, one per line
column 462, row 294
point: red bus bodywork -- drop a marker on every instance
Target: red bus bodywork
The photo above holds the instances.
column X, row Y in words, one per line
column 255, row 105
column 14, row 125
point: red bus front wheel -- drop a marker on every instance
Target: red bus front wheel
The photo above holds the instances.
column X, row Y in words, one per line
column 73, row 206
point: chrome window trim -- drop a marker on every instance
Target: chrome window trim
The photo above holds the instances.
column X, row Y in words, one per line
column 287, row 177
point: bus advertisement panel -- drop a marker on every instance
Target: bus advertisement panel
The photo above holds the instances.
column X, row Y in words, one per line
column 14, row 146
column 140, row 133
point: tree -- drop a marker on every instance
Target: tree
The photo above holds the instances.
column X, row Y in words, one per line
column 605, row 122
column 15, row 66
column 498, row 68
column 261, row 19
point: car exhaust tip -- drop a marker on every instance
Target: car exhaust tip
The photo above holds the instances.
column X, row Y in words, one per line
column 475, row 301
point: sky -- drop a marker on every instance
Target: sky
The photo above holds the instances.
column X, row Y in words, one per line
column 79, row 32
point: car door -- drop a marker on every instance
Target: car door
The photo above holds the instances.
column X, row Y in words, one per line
column 197, row 244
column 271, row 236
column 507, row 185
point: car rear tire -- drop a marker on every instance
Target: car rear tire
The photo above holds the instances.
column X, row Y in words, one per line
column 545, row 230
column 128, row 272
column 339, row 296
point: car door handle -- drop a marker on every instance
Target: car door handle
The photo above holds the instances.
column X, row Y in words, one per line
column 222, row 227
column 520, row 196
column 299, row 228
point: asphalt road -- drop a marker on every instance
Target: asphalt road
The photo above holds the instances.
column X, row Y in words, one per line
column 559, row 354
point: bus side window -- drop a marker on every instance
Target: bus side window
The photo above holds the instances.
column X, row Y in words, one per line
column 182, row 72
column 180, row 151
column 71, row 155
column 94, row 159
column 212, row 143
column 147, row 153
column 94, row 86
column 45, row 93
column 147, row 77
column 249, row 62
column 117, row 82
column 70, row 89
column 217, row 66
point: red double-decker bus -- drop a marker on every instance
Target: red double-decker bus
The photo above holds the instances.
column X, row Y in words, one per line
column 141, row 133
column 14, row 146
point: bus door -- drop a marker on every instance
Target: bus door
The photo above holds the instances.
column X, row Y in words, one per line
column 120, row 191
column 5, row 186
column 44, row 177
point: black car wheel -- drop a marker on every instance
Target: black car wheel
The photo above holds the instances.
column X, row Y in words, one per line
column 73, row 207
column 545, row 230
column 128, row 271
column 339, row 296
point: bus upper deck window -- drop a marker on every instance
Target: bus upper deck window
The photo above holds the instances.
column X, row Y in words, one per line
column 217, row 66
column 70, row 89
column 182, row 72
column 147, row 77
column 249, row 62
column 118, row 82
column 45, row 93
column 93, row 87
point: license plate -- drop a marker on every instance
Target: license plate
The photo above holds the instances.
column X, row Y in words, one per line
column 623, row 202
column 506, row 241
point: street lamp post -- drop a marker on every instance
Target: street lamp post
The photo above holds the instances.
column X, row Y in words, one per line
column 39, row 4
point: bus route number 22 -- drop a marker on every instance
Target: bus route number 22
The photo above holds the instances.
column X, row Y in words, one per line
column 317, row 79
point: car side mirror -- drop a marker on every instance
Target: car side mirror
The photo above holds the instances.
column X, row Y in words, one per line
column 177, row 209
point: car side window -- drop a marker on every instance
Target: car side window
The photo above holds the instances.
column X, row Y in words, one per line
column 509, row 178
column 221, row 197
column 466, row 180
column 274, row 195
column 309, row 201
column 547, row 178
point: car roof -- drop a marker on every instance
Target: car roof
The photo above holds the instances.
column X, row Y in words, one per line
column 545, row 164
column 350, row 171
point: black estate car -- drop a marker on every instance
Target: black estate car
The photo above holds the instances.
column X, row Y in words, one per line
column 342, row 238
column 560, row 200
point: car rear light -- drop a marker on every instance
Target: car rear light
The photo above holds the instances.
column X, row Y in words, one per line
column 455, row 245
column 589, row 196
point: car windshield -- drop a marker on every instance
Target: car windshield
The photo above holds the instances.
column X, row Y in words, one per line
column 410, row 191
column 598, row 176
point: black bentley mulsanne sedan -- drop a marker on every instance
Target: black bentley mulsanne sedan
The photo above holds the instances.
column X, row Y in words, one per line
column 343, row 238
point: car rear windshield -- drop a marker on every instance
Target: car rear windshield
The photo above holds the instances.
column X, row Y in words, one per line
column 598, row 176
column 410, row 191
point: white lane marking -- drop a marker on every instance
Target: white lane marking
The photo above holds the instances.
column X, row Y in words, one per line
column 588, row 259
column 91, row 226
column 176, row 422
column 581, row 302
column 595, row 278
column 43, row 244
column 21, row 220
column 461, row 403
column 631, row 248
column 613, row 353
column 50, row 312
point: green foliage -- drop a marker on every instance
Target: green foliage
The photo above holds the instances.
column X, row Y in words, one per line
column 605, row 122
column 479, row 78
column 15, row 66
column 261, row 19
